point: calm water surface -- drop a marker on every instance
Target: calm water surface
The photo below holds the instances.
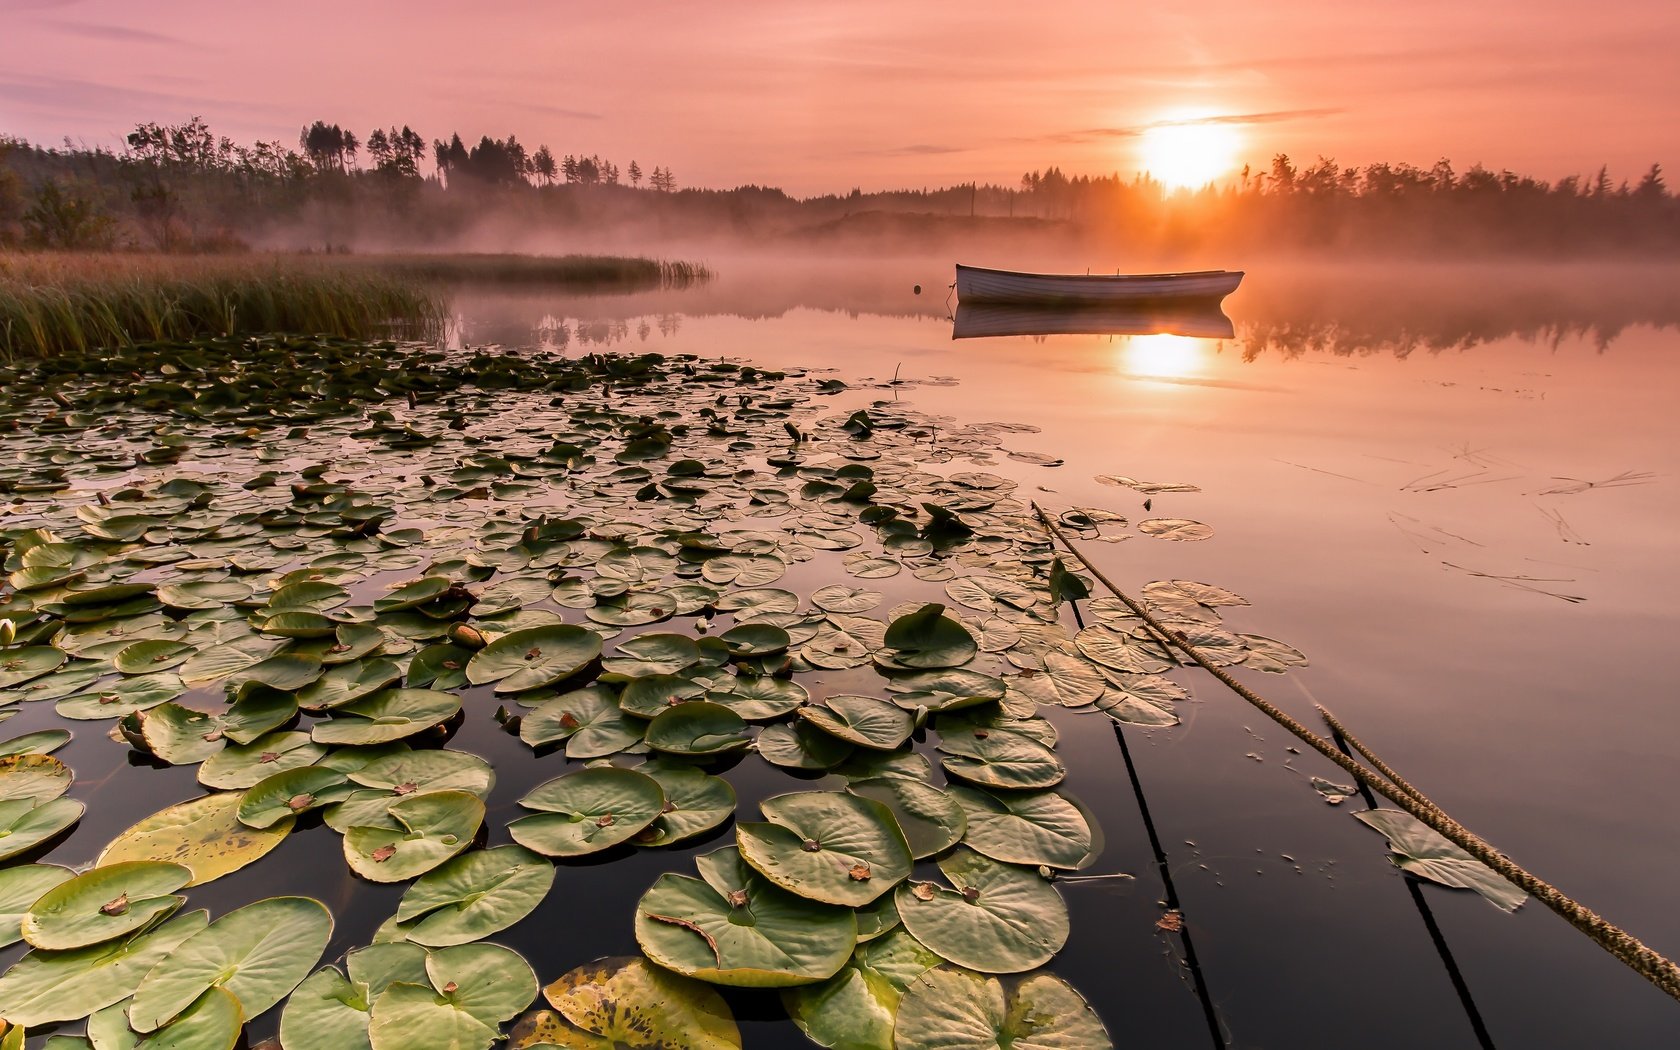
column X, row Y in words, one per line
column 1455, row 490
column 1457, row 499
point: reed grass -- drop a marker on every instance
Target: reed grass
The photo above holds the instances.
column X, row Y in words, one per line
column 55, row 303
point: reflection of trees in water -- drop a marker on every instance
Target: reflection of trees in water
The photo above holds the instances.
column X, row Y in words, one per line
column 1451, row 312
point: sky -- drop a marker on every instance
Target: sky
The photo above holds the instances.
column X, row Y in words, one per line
column 881, row 94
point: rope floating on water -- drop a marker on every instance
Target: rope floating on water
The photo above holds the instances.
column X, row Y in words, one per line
column 1643, row 960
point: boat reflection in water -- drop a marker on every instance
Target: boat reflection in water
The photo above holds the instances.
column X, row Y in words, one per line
column 1202, row 321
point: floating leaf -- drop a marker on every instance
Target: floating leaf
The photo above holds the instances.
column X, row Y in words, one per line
column 62, row 986
column 855, row 1009
column 384, row 717
column 1065, row 681
column 103, row 904
column 470, row 990
column 37, row 778
column 1175, row 529
column 387, row 779
column 760, row 698
column 839, row 598
column 827, row 845
column 798, row 745
column 290, row 792
column 204, row 834
column 473, row 896
column 698, row 728
column 695, row 803
column 18, row 666
column 26, row 823
column 1000, row 759
column 1026, row 827
column 861, row 720
column 631, row 1004
column 957, row 1010
column 588, row 811
column 930, row 818
column 691, row 926
column 240, row 766
column 1422, row 851
column 20, row 887
column 927, row 638
column 589, row 720
column 999, row 919
column 533, row 658
column 431, row 828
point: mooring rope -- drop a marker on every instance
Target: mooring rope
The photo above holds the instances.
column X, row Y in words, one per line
column 1643, row 960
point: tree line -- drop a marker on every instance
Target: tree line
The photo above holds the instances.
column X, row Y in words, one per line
column 181, row 187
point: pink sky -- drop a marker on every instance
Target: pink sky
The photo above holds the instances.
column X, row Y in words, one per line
column 823, row 97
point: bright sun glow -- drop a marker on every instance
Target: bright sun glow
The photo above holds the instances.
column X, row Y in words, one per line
column 1184, row 154
column 1165, row 356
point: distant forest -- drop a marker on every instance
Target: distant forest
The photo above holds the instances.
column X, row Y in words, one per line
column 184, row 188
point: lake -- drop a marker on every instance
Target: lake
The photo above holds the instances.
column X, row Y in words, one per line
column 1453, row 489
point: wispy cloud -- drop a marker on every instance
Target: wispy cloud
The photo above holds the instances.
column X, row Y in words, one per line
column 558, row 111
column 1134, row 130
column 917, row 150
column 120, row 34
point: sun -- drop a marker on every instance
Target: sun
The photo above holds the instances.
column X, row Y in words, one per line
column 1189, row 152
column 1164, row 356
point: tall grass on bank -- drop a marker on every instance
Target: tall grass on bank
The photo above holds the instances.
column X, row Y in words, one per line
column 52, row 304
column 603, row 272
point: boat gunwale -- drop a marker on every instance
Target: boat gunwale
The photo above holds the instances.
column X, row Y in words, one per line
column 1107, row 278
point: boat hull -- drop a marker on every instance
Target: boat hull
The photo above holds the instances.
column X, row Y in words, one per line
column 978, row 285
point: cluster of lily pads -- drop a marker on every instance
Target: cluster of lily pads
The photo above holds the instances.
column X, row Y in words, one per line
column 299, row 564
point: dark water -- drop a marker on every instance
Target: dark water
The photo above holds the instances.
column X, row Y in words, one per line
column 1412, row 512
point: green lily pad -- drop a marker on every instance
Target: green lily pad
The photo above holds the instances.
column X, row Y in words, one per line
column 183, row 736
column 214, row 1021
column 1026, row 827
column 588, row 811
column 1000, row 759
column 327, row 1009
column 1422, row 851
column 20, row 887
column 123, row 697
column 439, row 666
column 257, row 953
column 202, row 833
column 754, row 639
column 861, row 720
column 855, row 1009
column 45, row 987
column 650, row 695
column 737, row 928
column 26, row 823
column 431, row 828
column 760, row 698
column 1133, row 653
column 652, row 654
column 697, row 728
column 384, row 717
column 957, row 1010
column 533, row 658
column 42, row 742
column 240, row 766
column 927, row 638
column 346, row 683
column 388, row 779
column 290, row 792
column 1141, row 699
column 827, row 845
column 797, row 745
column 103, row 904
column 931, row 820
column 38, row 778
column 631, row 1004
column 18, row 666
column 1065, row 681
column 695, row 803
column 839, row 598
column 589, row 720
column 999, row 919
column 149, row 655
column 472, row 896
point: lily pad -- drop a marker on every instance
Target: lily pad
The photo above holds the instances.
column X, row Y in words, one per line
column 240, row 766
column 999, row 918
column 471, row 989
column 588, row 811
column 798, row 745
column 631, row 1004
column 387, row 779
column 20, row 887
column 533, row 658
column 431, row 828
column 1026, row 827
column 103, row 904
column 760, row 698
column 290, row 792
column 384, row 717
column 589, row 720
column 927, row 638
column 1422, row 851
column 472, row 896
column 26, row 823
column 931, row 819
column 62, row 986
column 737, row 928
column 204, row 834
column 827, row 845
column 956, row 1010
column 695, row 803
column 861, row 720
column 37, row 778
column 855, row 1009
column 698, row 728
column 1000, row 759
column 1175, row 529
column 258, row 953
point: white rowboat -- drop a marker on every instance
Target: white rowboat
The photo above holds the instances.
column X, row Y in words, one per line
column 978, row 285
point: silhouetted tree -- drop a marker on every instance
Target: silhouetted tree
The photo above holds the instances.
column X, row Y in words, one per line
column 542, row 162
column 635, row 174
